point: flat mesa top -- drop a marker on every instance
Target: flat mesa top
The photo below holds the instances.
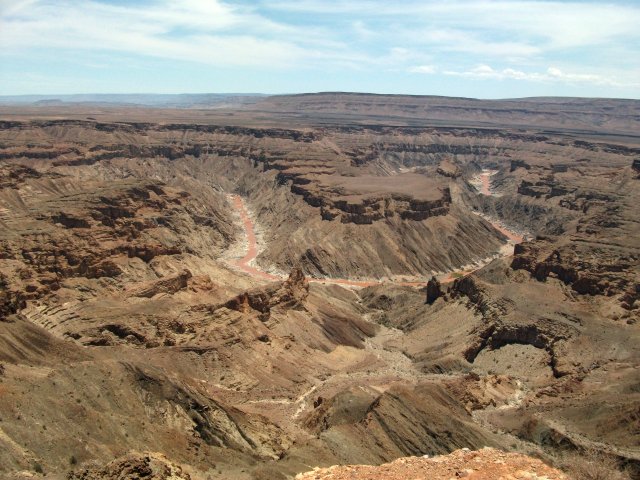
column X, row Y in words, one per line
column 416, row 185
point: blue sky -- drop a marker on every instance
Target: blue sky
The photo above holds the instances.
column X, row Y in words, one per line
column 471, row 48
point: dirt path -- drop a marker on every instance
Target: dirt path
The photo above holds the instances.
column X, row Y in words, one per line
column 246, row 263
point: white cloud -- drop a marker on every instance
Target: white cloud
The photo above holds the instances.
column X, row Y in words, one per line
column 500, row 27
column 552, row 74
column 556, row 74
column 207, row 31
column 461, row 41
column 427, row 69
column 362, row 31
column 487, row 72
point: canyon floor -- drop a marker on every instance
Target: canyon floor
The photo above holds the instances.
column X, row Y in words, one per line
column 318, row 280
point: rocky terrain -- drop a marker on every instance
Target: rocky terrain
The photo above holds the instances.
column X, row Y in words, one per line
column 189, row 299
column 486, row 464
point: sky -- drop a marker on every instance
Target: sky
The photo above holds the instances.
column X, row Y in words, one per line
column 467, row 48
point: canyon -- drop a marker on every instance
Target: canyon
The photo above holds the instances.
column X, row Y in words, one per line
column 292, row 282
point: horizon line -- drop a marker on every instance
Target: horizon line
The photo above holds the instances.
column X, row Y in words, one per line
column 53, row 96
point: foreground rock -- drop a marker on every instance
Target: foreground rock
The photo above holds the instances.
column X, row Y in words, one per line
column 484, row 464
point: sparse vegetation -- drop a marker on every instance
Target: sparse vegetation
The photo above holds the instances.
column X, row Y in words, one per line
column 592, row 465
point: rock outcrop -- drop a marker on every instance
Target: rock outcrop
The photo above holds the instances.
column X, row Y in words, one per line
column 12, row 176
column 11, row 300
column 515, row 164
column 288, row 294
column 133, row 466
column 434, row 290
column 485, row 464
column 351, row 206
column 543, row 188
column 449, row 169
column 169, row 285
column 610, row 273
